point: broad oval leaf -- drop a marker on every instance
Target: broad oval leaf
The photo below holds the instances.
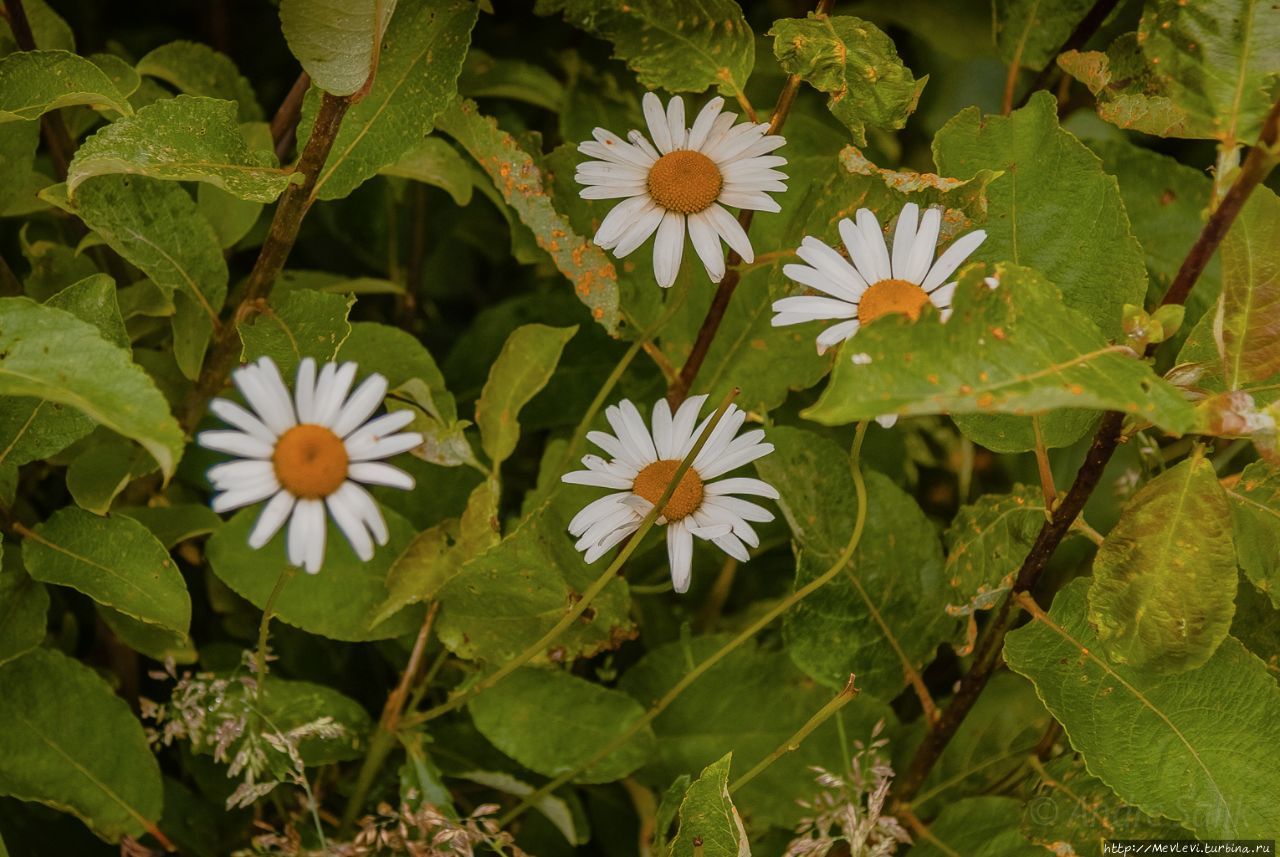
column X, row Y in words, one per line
column 1014, row 348
column 551, row 721
column 676, row 45
column 710, row 825
column 339, row 602
column 1164, row 581
column 157, row 226
column 336, row 41
column 417, row 78
column 24, row 609
column 115, row 561
column 298, row 324
column 51, row 354
column 1247, row 327
column 1255, row 518
column 1163, row 743
column 855, row 64
column 1055, row 210
column 197, row 69
column 435, row 162
column 890, row 602
column 525, row 365
column 188, row 138
column 98, row 767
column 1029, row 33
column 986, row 544
column 34, row 82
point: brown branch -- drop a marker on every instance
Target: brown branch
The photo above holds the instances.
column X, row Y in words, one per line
column 293, row 206
column 990, row 645
column 679, row 388
column 1084, row 31
column 284, row 125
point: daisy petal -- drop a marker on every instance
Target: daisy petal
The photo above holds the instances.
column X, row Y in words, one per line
column 952, row 257
column 668, row 247
column 680, row 556
column 656, row 119
column 922, row 251
column 904, row 237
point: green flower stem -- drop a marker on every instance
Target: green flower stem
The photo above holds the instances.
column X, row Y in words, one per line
column 579, row 607
column 823, row 714
column 754, row 628
column 264, row 627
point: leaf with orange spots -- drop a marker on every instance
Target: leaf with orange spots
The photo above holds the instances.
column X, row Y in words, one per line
column 676, row 45
column 1047, row 357
column 986, row 544
column 855, row 64
column 521, row 183
column 1199, row 70
column 1255, row 517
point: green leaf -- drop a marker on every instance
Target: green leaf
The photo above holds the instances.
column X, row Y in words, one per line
column 1255, row 518
column 119, row 72
column 1015, row 348
column 748, row 704
column 24, row 608
column 98, row 768
column 18, row 142
column 188, row 138
column 507, row 598
column 485, row 76
column 338, row 602
column 986, row 544
column 525, row 365
column 174, row 524
column 288, row 704
column 1151, row 737
column 676, row 45
column 104, row 465
column 855, row 63
column 416, row 80
column 710, row 825
column 1077, row 810
column 1248, row 323
column 156, row 226
column 198, row 69
column 435, row 162
column 157, row 643
column 300, row 324
column 1055, row 210
column 93, row 299
column 1164, row 581
column 978, row 827
column 1029, row 33
column 34, row 82
column 892, row 598
column 50, row 30
column 115, row 561
column 1206, row 71
column 551, row 721
column 520, row 182
column 337, row 43
column 51, row 354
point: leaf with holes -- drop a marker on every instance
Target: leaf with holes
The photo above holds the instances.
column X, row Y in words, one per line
column 34, row 82
column 1149, row 736
column 300, row 324
column 676, row 45
column 855, row 64
column 710, row 825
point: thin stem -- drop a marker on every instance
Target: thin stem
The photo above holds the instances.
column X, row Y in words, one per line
column 859, row 483
column 284, row 125
column 1084, row 31
column 579, row 607
column 264, row 627
column 384, row 736
column 709, row 613
column 745, row 104
column 679, row 388
column 822, row 715
column 294, row 204
column 1262, row 158
column 1046, row 470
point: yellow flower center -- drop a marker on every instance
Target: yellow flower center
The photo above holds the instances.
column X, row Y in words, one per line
column 310, row 461
column 654, row 479
column 889, row 296
column 685, row 181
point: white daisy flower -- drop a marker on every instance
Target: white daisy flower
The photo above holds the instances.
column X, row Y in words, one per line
column 641, row 466
column 874, row 284
column 307, row 453
column 683, row 178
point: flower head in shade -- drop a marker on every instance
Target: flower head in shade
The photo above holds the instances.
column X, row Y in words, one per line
column 307, row 453
column 681, row 181
column 640, row 466
column 870, row 284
